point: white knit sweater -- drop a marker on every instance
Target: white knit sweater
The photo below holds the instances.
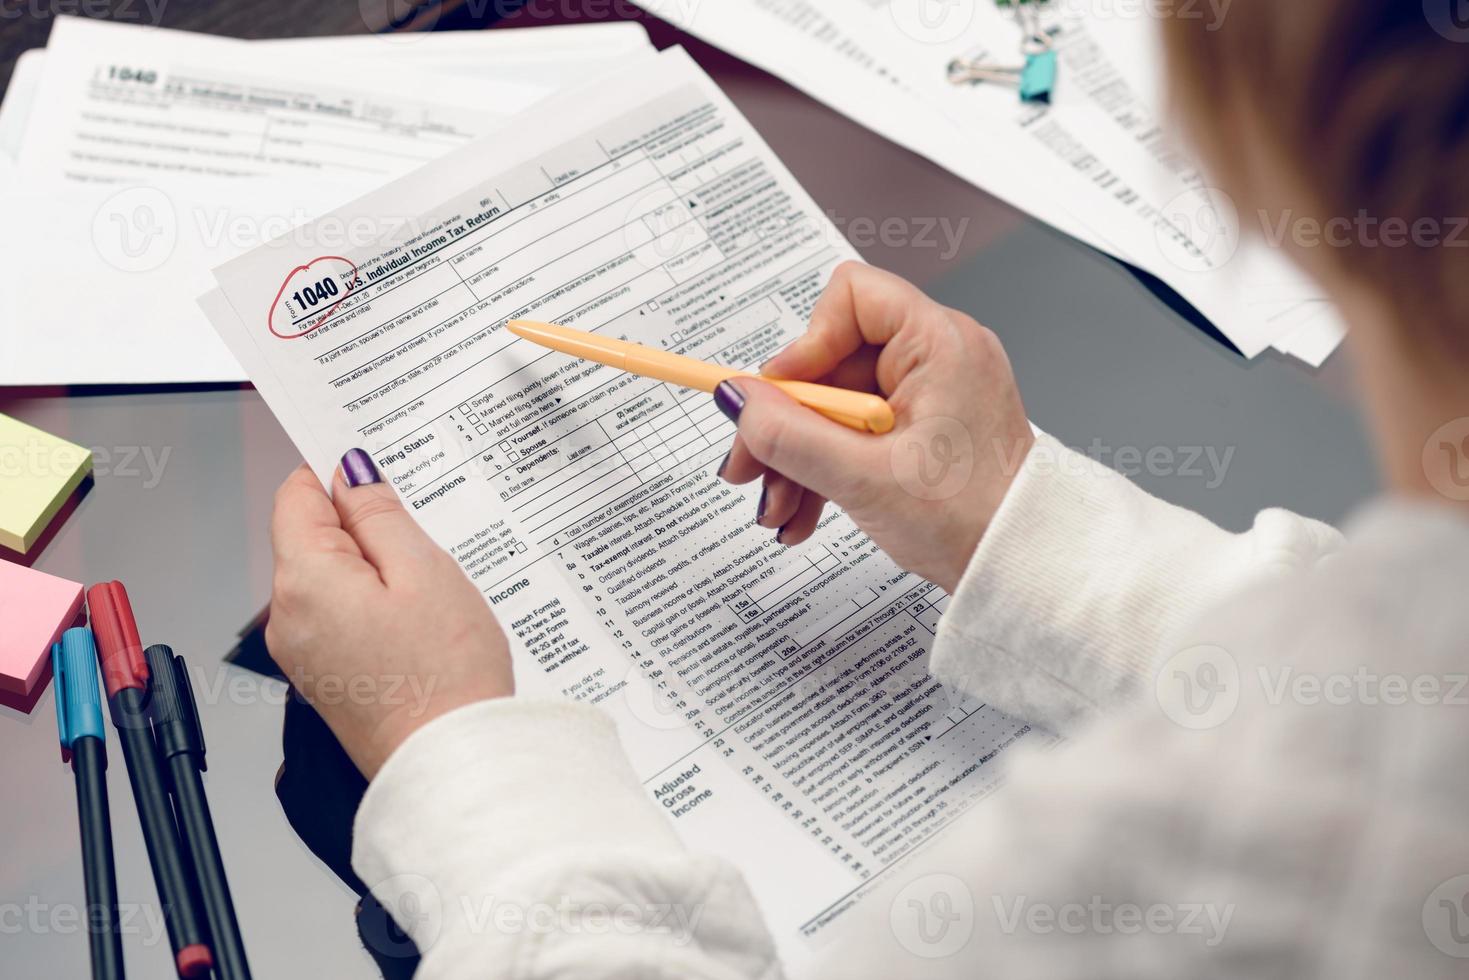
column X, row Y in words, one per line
column 1266, row 775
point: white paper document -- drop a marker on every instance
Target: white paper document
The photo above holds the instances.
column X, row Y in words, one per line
column 164, row 153
column 774, row 701
column 1094, row 165
column 126, row 103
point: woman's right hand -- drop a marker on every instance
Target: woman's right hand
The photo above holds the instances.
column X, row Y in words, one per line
column 926, row 491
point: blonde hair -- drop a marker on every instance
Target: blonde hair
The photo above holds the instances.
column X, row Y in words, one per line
column 1364, row 106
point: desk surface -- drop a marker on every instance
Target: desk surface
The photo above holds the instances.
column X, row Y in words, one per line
column 185, row 478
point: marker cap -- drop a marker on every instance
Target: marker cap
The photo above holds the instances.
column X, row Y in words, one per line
column 78, row 698
column 123, row 664
column 175, row 714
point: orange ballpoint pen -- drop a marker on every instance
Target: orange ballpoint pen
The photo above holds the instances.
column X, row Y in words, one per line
column 855, row 409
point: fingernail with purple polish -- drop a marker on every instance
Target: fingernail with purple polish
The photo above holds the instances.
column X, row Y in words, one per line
column 359, row 469
column 729, row 400
column 760, row 510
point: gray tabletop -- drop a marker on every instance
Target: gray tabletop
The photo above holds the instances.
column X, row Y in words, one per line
column 184, row 482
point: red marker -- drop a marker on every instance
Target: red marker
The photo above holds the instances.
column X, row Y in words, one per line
column 125, row 676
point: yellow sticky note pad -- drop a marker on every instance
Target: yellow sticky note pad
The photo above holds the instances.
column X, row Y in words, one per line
column 37, row 473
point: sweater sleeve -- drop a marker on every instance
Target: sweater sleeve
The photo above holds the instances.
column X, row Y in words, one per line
column 511, row 839
column 1082, row 578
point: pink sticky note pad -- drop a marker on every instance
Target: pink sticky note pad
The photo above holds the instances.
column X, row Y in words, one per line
column 35, row 608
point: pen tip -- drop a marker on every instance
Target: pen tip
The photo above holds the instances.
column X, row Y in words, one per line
column 194, row 960
column 516, row 327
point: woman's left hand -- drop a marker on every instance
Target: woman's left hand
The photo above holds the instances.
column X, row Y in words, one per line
column 373, row 622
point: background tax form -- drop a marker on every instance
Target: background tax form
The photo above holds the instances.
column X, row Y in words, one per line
column 1093, row 165
column 775, row 702
column 139, row 103
column 154, row 155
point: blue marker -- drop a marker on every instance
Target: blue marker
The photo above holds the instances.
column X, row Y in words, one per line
column 79, row 723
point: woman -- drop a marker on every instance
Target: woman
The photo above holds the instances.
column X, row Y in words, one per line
column 1265, row 775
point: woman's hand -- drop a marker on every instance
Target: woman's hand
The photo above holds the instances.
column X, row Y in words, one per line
column 375, row 624
column 924, row 492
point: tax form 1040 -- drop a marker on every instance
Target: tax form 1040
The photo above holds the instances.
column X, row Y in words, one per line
column 775, row 702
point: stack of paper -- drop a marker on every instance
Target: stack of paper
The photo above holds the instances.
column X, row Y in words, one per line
column 134, row 159
column 1094, row 164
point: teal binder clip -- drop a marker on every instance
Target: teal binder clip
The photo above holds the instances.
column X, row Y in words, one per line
column 1036, row 79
